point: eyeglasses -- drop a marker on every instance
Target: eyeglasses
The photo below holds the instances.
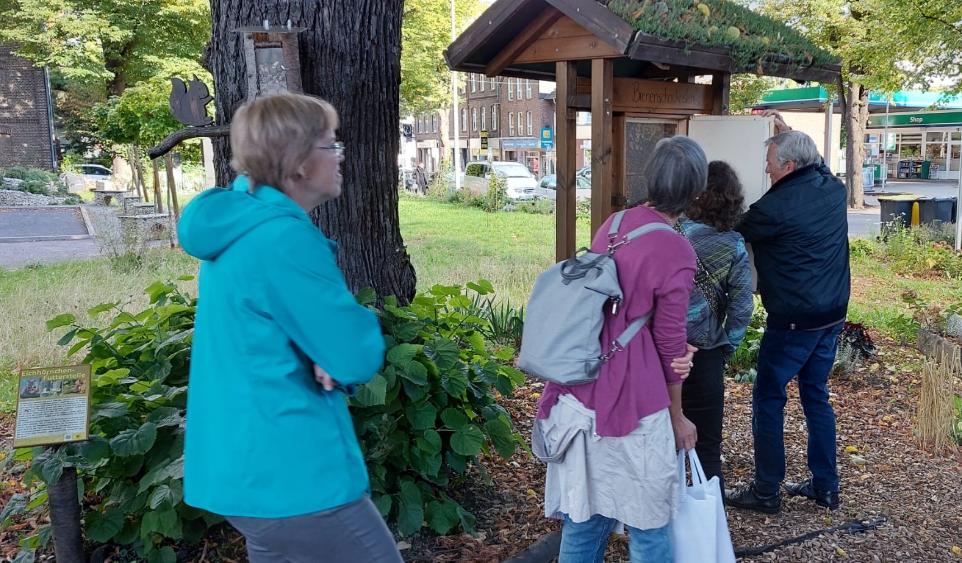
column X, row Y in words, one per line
column 337, row 147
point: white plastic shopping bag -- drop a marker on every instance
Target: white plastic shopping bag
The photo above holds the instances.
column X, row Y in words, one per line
column 700, row 529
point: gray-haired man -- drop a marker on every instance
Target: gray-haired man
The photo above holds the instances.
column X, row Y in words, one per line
column 799, row 235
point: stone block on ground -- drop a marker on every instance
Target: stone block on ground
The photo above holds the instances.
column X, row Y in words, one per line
column 137, row 229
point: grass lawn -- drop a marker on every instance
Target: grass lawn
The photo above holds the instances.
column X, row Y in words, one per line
column 448, row 244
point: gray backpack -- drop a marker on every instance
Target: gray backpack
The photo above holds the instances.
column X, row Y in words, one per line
column 561, row 342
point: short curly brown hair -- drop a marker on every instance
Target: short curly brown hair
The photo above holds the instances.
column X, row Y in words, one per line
column 723, row 201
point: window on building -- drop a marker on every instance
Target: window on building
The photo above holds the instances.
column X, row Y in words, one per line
column 510, row 124
column 417, row 123
column 484, row 118
column 474, row 119
column 527, row 121
column 527, row 88
column 520, row 124
column 494, row 117
column 434, row 122
column 474, row 82
column 510, row 89
column 519, row 88
column 464, row 119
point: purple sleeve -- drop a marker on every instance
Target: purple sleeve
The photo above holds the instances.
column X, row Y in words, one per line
column 671, row 314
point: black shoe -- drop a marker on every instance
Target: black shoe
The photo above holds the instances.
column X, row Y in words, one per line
column 828, row 499
column 750, row 499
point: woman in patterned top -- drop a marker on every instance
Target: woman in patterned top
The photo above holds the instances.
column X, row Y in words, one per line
column 720, row 307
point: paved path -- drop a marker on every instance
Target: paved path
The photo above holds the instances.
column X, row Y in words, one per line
column 19, row 254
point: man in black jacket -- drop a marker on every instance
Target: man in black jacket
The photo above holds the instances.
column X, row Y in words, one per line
column 799, row 235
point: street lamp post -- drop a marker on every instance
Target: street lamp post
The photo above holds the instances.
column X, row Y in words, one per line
column 456, row 112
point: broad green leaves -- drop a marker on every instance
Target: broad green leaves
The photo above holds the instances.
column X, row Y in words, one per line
column 419, row 420
column 422, row 421
column 134, row 441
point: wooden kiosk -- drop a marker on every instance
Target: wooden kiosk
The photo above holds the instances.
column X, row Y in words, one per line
column 617, row 60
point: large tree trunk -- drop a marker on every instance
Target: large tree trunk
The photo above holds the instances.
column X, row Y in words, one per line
column 350, row 55
column 855, row 117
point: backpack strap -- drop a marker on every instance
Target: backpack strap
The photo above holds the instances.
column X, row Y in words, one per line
column 645, row 229
column 626, row 336
column 614, row 244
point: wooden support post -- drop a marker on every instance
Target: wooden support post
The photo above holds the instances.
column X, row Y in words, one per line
column 619, row 193
column 158, row 199
column 721, row 85
column 566, row 79
column 172, row 185
column 138, row 165
column 602, row 92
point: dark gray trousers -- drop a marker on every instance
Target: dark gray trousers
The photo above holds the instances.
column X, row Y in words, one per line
column 353, row 532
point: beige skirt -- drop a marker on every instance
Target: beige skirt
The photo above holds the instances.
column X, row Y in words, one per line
column 631, row 478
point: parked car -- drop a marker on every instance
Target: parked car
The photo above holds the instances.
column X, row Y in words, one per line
column 549, row 184
column 520, row 182
column 93, row 173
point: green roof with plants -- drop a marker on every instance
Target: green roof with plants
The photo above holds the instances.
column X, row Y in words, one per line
column 752, row 39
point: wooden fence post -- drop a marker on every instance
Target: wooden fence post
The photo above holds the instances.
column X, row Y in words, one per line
column 159, row 199
column 171, row 185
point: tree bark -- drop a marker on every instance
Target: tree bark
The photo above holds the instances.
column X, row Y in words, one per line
column 855, row 117
column 350, row 55
column 65, row 518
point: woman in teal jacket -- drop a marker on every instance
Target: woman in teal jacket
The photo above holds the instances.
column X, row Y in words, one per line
column 279, row 339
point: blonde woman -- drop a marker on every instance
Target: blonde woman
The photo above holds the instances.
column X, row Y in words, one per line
column 278, row 342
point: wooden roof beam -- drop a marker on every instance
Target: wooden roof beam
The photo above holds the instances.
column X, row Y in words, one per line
column 522, row 41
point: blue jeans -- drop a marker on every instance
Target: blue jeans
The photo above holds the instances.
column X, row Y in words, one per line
column 586, row 542
column 809, row 354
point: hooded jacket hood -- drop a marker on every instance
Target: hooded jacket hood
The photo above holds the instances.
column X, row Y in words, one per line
column 219, row 217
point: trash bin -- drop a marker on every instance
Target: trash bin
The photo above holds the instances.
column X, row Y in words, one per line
column 936, row 210
column 926, row 166
column 897, row 208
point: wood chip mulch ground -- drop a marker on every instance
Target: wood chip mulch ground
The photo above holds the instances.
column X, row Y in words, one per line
column 912, row 497
column 909, row 498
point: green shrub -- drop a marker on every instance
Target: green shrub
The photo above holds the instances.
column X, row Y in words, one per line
column 429, row 413
column 34, row 180
column 422, row 421
column 439, row 189
column 919, row 251
column 860, row 248
column 536, row 207
column 741, row 364
column 497, row 195
column 132, row 466
column 583, row 209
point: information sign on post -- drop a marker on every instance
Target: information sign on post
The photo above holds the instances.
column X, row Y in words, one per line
column 547, row 139
column 484, row 140
column 53, row 406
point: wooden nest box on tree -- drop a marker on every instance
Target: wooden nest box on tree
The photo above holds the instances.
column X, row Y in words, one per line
column 635, row 65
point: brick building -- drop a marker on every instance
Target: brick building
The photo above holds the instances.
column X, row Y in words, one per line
column 26, row 114
column 512, row 111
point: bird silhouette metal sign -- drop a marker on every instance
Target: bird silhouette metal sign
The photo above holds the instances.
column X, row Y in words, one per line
column 188, row 102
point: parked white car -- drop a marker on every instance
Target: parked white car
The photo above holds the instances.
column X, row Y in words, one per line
column 547, row 188
column 94, row 173
column 520, row 182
